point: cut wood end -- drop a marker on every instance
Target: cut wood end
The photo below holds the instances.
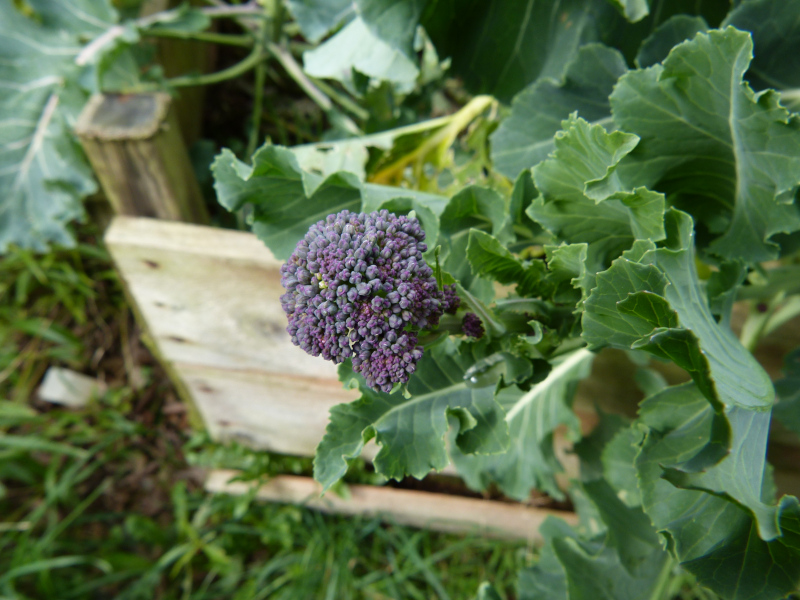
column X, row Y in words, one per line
column 123, row 117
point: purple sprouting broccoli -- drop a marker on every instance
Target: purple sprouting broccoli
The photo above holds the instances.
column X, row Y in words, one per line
column 357, row 287
column 472, row 326
column 451, row 300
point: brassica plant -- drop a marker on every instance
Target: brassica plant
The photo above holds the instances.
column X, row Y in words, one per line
column 625, row 172
column 656, row 165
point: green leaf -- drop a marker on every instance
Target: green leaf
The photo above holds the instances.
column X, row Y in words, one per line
column 618, row 458
column 287, row 200
column 500, row 47
column 526, row 137
column 737, row 388
column 623, row 562
column 522, row 195
column 546, row 580
column 356, row 47
column 729, row 157
column 776, row 36
column 714, row 537
column 317, row 17
column 530, row 462
column 633, row 305
column 787, row 410
column 633, row 10
column 722, row 288
column 184, row 18
column 489, row 258
column 583, row 199
column 669, row 34
column 596, row 572
column 393, row 21
column 629, row 533
column 43, row 172
column 567, row 274
column 411, row 432
column 472, row 208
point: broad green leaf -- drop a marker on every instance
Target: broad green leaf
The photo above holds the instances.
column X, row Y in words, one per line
column 658, row 289
column 287, row 200
column 567, row 275
column 525, row 230
column 546, row 580
column 668, row 35
column 530, row 462
column 729, row 157
column 472, row 208
column 787, row 410
column 776, row 36
column 489, row 258
column 721, row 289
column 596, row 572
column 356, row 47
column 715, row 538
column 184, row 18
column 629, row 532
column 618, row 458
column 317, row 17
column 411, row 432
column 500, row 47
column 526, row 137
column 583, row 200
column 649, row 293
column 43, row 173
column 393, row 21
column 326, row 159
column 633, row 10
column 590, row 448
column 623, row 562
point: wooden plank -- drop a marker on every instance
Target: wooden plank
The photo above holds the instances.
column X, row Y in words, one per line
column 405, row 507
column 209, row 296
column 273, row 411
column 210, row 302
column 139, row 157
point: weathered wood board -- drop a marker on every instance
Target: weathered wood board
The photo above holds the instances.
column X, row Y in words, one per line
column 210, row 301
column 404, row 507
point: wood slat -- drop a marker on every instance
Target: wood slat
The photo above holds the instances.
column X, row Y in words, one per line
column 441, row 512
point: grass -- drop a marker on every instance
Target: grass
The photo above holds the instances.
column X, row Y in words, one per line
column 106, row 501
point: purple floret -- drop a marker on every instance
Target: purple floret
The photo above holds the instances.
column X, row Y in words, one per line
column 357, row 287
column 451, row 301
column 472, row 326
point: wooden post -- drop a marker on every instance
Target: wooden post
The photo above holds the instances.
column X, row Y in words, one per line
column 135, row 147
column 181, row 57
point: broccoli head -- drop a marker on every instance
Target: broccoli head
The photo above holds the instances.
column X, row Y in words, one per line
column 357, row 287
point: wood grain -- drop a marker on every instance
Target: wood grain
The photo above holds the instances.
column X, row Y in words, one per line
column 135, row 147
column 405, row 507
